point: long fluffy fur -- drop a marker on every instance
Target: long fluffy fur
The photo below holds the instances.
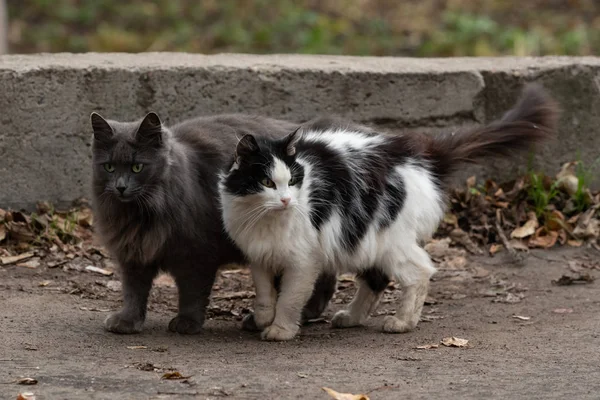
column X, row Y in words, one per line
column 173, row 223
column 354, row 201
column 532, row 120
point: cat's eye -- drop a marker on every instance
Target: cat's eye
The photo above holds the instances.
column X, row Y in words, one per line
column 268, row 183
column 293, row 181
column 108, row 167
column 137, row 168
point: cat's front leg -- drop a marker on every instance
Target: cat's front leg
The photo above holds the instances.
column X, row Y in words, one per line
column 297, row 285
column 137, row 281
column 266, row 298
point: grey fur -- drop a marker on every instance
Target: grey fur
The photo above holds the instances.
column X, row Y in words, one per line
column 166, row 216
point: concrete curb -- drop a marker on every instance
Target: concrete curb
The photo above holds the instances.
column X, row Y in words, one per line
column 46, row 100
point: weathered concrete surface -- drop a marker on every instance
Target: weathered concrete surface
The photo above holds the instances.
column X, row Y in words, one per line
column 46, row 100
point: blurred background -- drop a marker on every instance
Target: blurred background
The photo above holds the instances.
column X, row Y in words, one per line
column 418, row 28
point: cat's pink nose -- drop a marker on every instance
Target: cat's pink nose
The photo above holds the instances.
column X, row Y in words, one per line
column 286, row 200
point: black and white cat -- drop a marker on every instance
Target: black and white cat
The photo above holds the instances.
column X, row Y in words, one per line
column 338, row 197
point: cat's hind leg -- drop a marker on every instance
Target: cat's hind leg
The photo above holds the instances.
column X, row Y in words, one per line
column 413, row 277
column 194, row 284
column 372, row 283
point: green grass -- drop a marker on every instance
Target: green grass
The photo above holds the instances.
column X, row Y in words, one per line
column 540, row 195
column 365, row 27
column 584, row 174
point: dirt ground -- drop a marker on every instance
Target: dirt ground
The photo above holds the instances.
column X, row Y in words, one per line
column 51, row 327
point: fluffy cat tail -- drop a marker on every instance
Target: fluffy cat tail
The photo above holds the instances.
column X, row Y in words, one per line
column 532, row 120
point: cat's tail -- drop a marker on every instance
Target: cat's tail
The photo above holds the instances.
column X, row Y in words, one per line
column 532, row 120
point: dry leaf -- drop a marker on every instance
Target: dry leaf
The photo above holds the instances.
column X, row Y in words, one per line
column 562, row 310
column 427, row 346
column 27, row 381
column 347, row 278
column 44, row 283
column 566, row 280
column 344, row 396
column 574, row 243
column 84, row 217
column 14, row 259
column 543, row 238
column 454, row 342
column 26, row 396
column 137, row 347
column 495, row 247
column 509, row 298
column 522, row 318
column 2, row 232
column 526, row 230
column 451, row 219
column 461, row 237
column 555, row 221
column 33, row 263
column 97, row 270
column 174, row 375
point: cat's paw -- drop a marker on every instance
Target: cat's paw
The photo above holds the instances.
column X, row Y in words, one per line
column 392, row 324
column 343, row 319
column 248, row 323
column 263, row 317
column 186, row 324
column 278, row 333
column 119, row 323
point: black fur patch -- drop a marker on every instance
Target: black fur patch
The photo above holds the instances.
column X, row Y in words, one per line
column 254, row 167
column 375, row 278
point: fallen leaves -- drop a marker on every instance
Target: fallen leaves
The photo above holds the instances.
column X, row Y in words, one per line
column 509, row 298
column 100, row 271
column 454, row 342
column 174, row 375
column 26, row 396
column 528, row 229
column 344, row 396
column 535, row 211
column 451, row 341
column 27, row 381
column 566, row 280
column 14, row 259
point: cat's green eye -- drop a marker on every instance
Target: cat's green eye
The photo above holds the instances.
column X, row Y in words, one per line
column 293, row 181
column 268, row 183
column 137, row 168
column 108, row 167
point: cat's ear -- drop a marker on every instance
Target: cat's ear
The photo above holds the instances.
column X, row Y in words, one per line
column 150, row 131
column 246, row 146
column 292, row 140
column 102, row 129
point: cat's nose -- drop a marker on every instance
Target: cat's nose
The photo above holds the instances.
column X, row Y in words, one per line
column 286, row 200
column 121, row 188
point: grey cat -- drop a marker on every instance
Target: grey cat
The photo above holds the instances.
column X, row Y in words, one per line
column 156, row 208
